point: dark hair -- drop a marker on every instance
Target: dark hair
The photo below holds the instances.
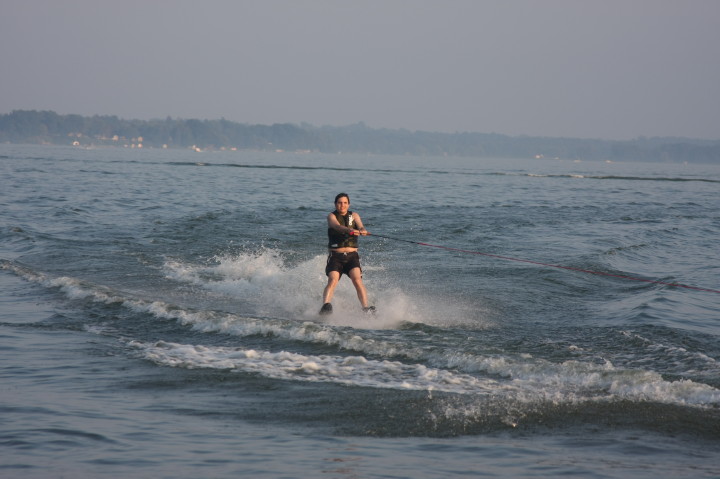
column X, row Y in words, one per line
column 340, row 195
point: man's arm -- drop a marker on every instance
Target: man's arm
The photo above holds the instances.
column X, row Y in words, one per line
column 359, row 224
column 334, row 224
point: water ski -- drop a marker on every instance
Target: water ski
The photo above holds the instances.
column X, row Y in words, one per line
column 328, row 309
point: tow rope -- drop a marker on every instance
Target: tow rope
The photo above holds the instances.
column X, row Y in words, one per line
column 539, row 263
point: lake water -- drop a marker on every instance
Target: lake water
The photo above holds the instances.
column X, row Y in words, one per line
column 158, row 317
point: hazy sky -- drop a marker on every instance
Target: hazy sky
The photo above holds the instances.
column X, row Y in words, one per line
column 615, row 69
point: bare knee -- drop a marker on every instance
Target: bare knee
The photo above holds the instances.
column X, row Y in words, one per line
column 333, row 280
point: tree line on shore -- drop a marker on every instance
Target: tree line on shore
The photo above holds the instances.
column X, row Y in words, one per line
column 31, row 126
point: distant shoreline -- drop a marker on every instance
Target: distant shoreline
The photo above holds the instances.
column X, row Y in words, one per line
column 48, row 127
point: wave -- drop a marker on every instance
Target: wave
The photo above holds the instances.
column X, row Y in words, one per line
column 606, row 177
column 443, row 172
column 571, row 382
column 346, row 370
column 369, row 358
column 700, row 363
column 285, row 167
column 422, row 171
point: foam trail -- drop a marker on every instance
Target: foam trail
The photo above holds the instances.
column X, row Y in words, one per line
column 271, row 287
column 523, row 375
column 350, row 370
column 359, row 371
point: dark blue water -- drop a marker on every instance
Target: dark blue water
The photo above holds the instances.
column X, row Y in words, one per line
column 158, row 317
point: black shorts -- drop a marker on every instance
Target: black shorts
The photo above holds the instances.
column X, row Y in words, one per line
column 342, row 262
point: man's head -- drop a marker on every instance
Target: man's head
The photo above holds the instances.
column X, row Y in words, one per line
column 342, row 202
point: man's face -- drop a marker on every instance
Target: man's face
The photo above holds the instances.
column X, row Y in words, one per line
column 342, row 205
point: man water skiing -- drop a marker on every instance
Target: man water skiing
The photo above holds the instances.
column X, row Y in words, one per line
column 344, row 227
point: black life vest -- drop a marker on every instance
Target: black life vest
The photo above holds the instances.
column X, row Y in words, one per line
column 342, row 240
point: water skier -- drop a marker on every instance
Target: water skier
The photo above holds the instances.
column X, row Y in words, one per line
column 344, row 227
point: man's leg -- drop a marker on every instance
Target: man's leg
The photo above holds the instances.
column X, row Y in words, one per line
column 355, row 276
column 333, row 279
